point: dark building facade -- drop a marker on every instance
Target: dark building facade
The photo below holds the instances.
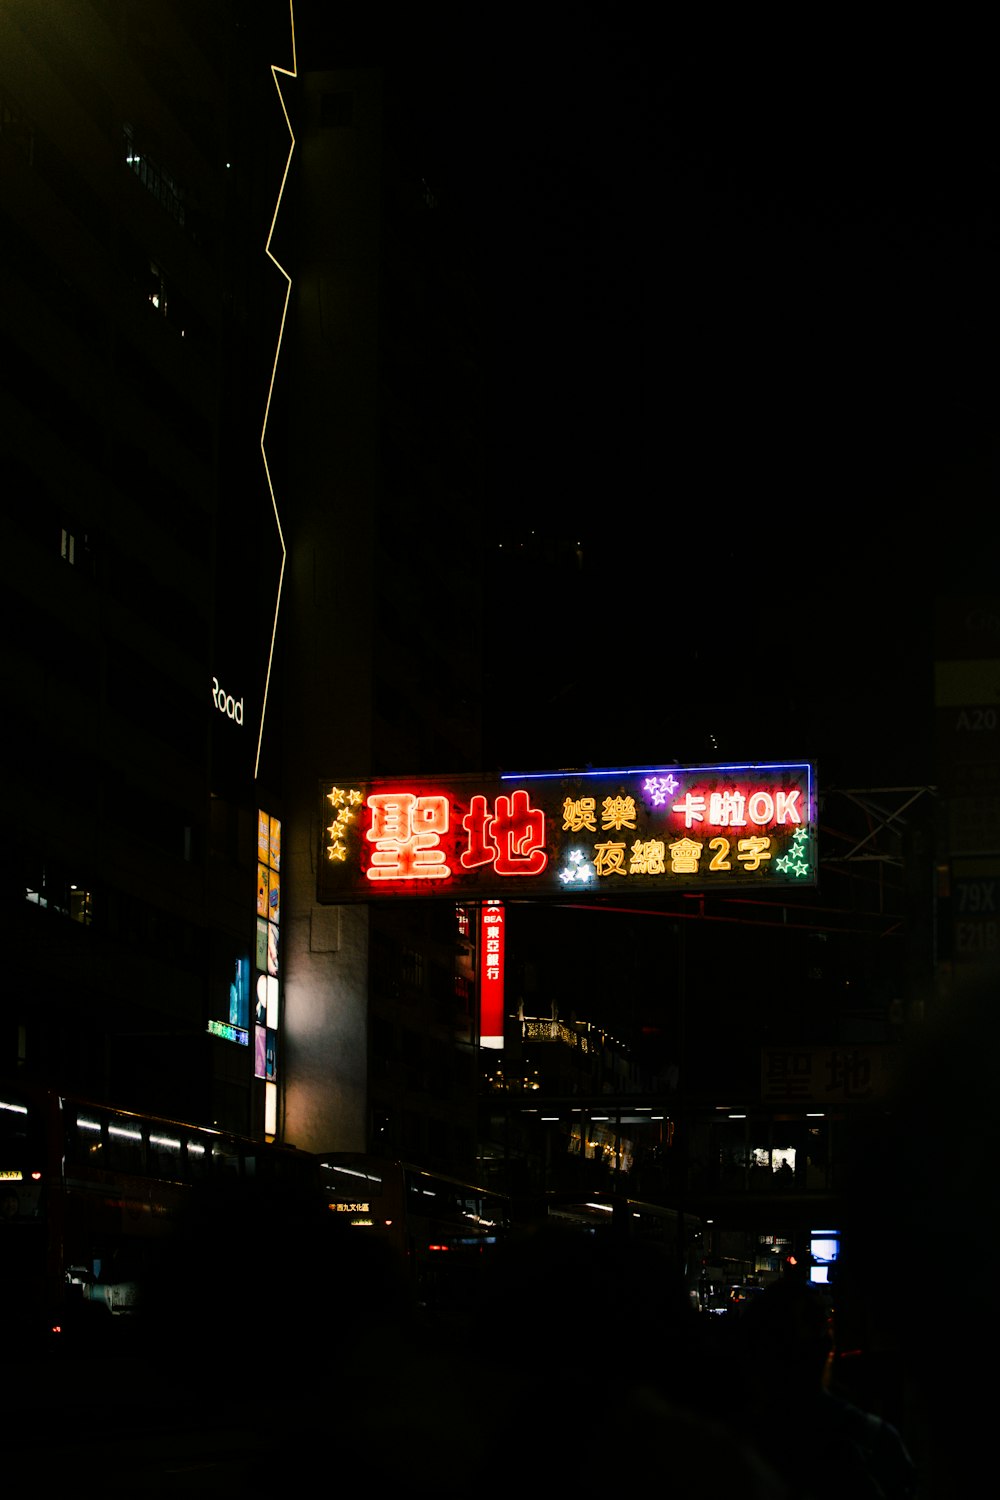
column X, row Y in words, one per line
column 138, row 323
column 239, row 567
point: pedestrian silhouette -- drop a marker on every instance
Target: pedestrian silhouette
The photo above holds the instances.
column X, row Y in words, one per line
column 822, row 1444
column 595, row 1372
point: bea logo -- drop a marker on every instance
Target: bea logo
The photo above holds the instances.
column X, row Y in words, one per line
column 226, row 703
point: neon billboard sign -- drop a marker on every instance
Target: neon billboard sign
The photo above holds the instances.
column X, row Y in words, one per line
column 569, row 834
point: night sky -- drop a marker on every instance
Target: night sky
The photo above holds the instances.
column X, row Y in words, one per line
column 736, row 279
column 739, row 320
column 744, row 319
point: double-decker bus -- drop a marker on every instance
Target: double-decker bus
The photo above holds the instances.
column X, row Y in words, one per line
column 90, row 1197
column 441, row 1229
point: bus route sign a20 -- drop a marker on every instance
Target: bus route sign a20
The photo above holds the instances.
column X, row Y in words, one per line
column 565, row 834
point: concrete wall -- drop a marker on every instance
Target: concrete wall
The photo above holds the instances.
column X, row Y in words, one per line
column 332, row 492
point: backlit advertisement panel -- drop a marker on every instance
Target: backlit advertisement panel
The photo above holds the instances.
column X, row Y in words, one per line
column 267, row 945
column 491, row 968
column 569, row 834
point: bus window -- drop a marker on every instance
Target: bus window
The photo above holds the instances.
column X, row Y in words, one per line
column 124, row 1146
column 225, row 1160
column 199, row 1157
column 84, row 1138
column 13, row 1125
column 165, row 1153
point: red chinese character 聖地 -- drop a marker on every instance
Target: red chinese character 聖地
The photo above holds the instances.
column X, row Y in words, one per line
column 511, row 838
column 406, row 831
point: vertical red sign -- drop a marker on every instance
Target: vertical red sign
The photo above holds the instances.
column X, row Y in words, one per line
column 491, row 941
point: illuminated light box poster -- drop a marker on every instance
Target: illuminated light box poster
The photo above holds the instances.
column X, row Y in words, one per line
column 268, row 840
column 491, row 974
column 239, row 994
column 565, row 835
column 230, row 992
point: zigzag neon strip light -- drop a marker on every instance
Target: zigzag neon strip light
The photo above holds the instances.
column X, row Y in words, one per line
column 286, row 73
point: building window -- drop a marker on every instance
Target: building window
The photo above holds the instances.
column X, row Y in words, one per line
column 156, row 289
column 80, row 905
column 154, row 179
column 413, row 968
column 77, row 549
column 47, row 886
column 17, row 127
